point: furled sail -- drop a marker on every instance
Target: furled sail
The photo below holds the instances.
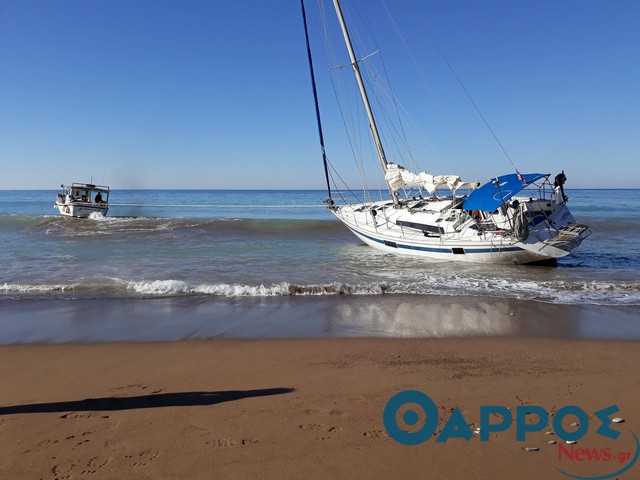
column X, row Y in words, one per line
column 397, row 177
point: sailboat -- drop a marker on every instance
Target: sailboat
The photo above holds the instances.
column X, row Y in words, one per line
column 513, row 218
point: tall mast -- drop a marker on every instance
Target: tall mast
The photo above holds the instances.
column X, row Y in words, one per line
column 365, row 99
column 315, row 99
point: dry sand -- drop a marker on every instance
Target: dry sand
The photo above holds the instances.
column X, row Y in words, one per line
column 306, row 408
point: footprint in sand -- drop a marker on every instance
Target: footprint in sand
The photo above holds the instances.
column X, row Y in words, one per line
column 141, row 459
column 226, row 442
column 46, row 442
column 196, row 429
column 62, row 472
column 75, row 415
column 133, row 385
column 376, row 434
column 221, row 442
column 94, row 464
column 114, row 426
column 325, row 411
column 319, row 427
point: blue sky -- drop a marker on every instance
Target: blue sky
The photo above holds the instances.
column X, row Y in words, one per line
column 208, row 94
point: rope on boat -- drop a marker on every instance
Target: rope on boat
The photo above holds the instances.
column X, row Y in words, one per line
column 167, row 205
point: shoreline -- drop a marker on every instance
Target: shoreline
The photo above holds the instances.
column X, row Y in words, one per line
column 407, row 316
column 293, row 408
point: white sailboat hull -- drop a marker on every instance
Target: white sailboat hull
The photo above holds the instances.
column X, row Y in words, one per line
column 459, row 241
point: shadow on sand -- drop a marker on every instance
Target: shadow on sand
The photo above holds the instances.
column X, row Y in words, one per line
column 180, row 399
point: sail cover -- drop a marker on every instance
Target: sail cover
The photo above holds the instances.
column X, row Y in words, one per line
column 397, row 177
column 498, row 190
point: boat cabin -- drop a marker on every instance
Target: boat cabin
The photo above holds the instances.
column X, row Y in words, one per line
column 82, row 199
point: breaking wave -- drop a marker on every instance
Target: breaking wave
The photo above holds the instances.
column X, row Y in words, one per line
column 168, row 287
column 594, row 293
column 26, row 288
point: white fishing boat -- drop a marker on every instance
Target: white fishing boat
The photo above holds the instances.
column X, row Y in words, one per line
column 80, row 200
column 511, row 219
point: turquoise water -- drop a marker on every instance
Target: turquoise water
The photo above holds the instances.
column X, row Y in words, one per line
column 270, row 243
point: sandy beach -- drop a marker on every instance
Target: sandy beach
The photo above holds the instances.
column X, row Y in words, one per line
column 299, row 408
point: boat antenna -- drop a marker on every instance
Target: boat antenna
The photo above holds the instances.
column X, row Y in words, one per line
column 315, row 99
column 365, row 99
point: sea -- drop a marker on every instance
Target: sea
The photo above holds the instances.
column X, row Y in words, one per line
column 243, row 247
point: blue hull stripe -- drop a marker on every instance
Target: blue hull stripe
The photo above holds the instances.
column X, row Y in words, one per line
column 440, row 250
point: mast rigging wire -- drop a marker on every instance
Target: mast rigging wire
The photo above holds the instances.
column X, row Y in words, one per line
column 455, row 75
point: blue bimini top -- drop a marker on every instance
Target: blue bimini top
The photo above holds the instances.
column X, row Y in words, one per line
column 500, row 189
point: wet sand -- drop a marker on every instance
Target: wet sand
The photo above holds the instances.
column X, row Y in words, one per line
column 69, row 319
column 299, row 408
